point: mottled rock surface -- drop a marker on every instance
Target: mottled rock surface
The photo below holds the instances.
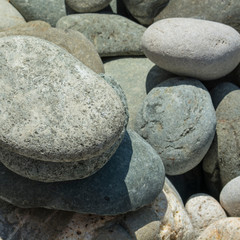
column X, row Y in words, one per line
column 112, row 35
column 204, row 50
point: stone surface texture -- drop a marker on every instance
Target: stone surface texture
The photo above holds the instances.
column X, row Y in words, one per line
column 54, row 118
column 203, row 210
column 112, row 35
column 203, row 49
column 178, row 119
column 9, row 16
column 230, row 197
column 224, row 229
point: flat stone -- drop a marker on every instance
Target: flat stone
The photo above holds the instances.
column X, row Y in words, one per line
column 72, row 41
column 178, row 119
column 230, row 197
column 204, row 9
column 112, row 35
column 9, row 16
column 203, row 210
column 195, row 48
column 145, row 10
column 131, row 179
column 49, row 11
column 86, row 6
column 223, row 229
column 53, row 107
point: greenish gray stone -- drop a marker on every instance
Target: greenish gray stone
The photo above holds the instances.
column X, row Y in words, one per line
column 131, row 179
column 178, row 119
column 9, row 16
column 112, row 35
column 204, row 9
column 46, row 10
column 72, row 41
column 53, row 107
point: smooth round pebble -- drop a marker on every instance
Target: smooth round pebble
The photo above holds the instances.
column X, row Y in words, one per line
column 223, row 229
column 178, row 119
column 230, row 197
column 191, row 47
column 203, row 210
column 53, row 107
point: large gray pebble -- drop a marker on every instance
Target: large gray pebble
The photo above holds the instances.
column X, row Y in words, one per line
column 53, row 107
column 191, row 47
column 112, row 35
column 230, row 197
column 178, row 119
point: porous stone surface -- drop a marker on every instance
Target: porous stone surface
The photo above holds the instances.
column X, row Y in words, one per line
column 131, row 74
column 204, row 9
column 221, row 163
column 203, row 49
column 203, row 210
column 230, row 197
column 220, row 91
column 86, row 6
column 145, row 10
column 63, row 171
column 178, row 119
column 9, row 16
column 112, row 35
column 224, row 229
column 53, row 107
column 46, row 10
column 72, row 41
column 131, row 179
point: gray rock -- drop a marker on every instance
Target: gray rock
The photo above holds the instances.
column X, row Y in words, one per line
column 53, row 107
column 145, row 10
column 191, row 47
column 222, row 160
column 9, row 16
column 132, row 178
column 204, row 9
column 112, row 35
column 178, row 119
column 230, row 197
column 86, row 6
column 46, row 10
column 131, row 74
column 220, row 91
column 72, row 41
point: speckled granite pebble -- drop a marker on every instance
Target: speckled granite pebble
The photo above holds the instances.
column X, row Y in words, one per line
column 178, row 119
column 112, row 35
column 68, row 112
column 195, row 48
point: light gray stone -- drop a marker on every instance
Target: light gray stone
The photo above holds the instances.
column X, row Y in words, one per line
column 230, row 197
column 178, row 119
column 87, row 6
column 53, row 107
column 203, row 210
column 112, row 35
column 9, row 16
column 196, row 48
column 46, row 10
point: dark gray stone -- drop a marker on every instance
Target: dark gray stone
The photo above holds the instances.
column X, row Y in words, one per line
column 132, row 178
column 112, row 35
column 178, row 119
column 204, row 9
column 46, row 10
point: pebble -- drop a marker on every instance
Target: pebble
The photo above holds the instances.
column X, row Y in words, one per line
column 181, row 140
column 230, row 197
column 203, row 49
column 112, row 35
column 203, row 210
column 42, row 125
